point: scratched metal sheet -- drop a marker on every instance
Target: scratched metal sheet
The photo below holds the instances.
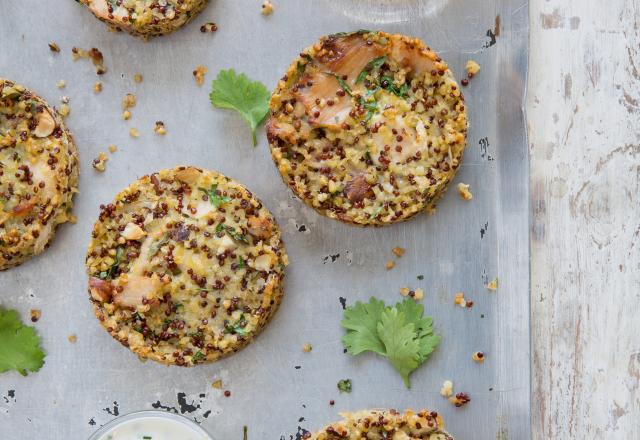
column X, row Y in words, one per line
column 277, row 390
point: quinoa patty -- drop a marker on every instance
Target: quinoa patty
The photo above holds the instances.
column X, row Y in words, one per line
column 385, row 424
column 145, row 18
column 367, row 127
column 38, row 173
column 185, row 266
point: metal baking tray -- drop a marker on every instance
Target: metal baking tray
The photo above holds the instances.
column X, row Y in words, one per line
column 277, row 390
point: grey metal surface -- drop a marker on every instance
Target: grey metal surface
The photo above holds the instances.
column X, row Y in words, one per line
column 277, row 390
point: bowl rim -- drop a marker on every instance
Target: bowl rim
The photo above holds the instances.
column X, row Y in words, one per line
column 149, row 413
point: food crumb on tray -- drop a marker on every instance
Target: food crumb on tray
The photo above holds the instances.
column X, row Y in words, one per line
column 478, row 357
column 134, row 133
column 461, row 301
column 100, row 162
column 54, row 47
column 61, row 84
column 93, row 54
column 460, row 399
column 398, row 251
column 493, row 285
column 447, row 389
column 208, row 27
column 72, row 338
column 112, row 148
column 307, row 348
column 35, row 314
column 159, row 129
column 217, row 384
column 199, row 73
column 97, row 87
column 137, row 78
column 465, row 193
column 267, row 7
column 390, row 264
column 412, row 293
column 472, row 68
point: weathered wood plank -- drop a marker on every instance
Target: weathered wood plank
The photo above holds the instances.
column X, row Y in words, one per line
column 584, row 114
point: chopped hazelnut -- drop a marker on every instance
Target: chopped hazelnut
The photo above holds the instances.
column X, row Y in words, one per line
column 463, row 190
column 97, row 87
column 390, row 265
column 398, row 251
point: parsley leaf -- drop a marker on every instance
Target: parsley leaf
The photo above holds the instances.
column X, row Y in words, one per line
column 237, row 92
column 110, row 273
column 344, row 385
column 20, row 348
column 400, row 333
column 198, row 356
column 213, row 196
column 237, row 236
column 372, row 66
column 237, row 328
column 343, row 84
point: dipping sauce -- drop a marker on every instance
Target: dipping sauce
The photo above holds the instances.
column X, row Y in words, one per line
column 153, row 426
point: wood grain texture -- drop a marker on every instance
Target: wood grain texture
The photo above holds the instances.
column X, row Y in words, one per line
column 584, row 114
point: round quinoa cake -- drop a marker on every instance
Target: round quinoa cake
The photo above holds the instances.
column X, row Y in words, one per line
column 385, row 424
column 368, row 127
column 185, row 266
column 38, row 173
column 145, row 18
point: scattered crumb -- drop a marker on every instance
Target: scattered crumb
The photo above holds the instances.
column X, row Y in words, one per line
column 431, row 209
column 126, row 115
column 404, row 291
column 209, row 27
column 73, row 219
column 390, row 265
column 64, row 110
column 137, row 78
column 420, row 277
column 493, row 285
column 332, row 402
column 419, row 294
column 94, row 54
column 35, row 314
column 447, row 389
column 65, row 99
column 415, row 294
column 307, row 347
column 159, row 128
column 398, row 251
column 463, row 190
column 464, row 82
column 267, row 7
column 97, row 87
column 61, row 84
column 133, row 132
column 112, row 148
column 54, row 47
column 217, row 384
column 472, row 68
column 199, row 74
column 129, row 101
column 100, row 162
column 460, row 399
column 72, row 338
column 227, row 393
column 478, row 357
column 461, row 301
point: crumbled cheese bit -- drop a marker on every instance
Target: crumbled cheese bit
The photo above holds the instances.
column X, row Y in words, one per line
column 35, row 314
column 398, row 251
column 404, row 291
column 128, row 101
column 100, row 162
column 478, row 357
column 72, row 338
column 307, row 347
column 137, row 78
column 97, row 87
column 217, row 384
column 61, row 84
column 463, row 190
column 133, row 132
column 472, row 68
column 447, row 389
column 126, row 115
column 460, row 399
column 267, row 7
column 54, row 47
column 64, row 110
column 390, row 265
column 199, row 74
column 493, row 285
column 112, row 148
column 209, row 27
column 159, row 128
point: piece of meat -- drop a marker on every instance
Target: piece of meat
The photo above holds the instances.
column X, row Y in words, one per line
column 137, row 289
column 357, row 188
column 419, row 61
column 259, row 227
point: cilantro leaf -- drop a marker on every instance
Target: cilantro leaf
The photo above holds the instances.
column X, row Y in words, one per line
column 361, row 322
column 398, row 337
column 372, row 66
column 400, row 333
column 344, row 385
column 237, row 92
column 213, row 196
column 20, row 345
column 343, row 84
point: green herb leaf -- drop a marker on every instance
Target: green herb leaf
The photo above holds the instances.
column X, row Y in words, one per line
column 371, row 67
column 237, row 92
column 110, row 273
column 231, row 231
column 376, row 212
column 198, row 356
column 214, row 198
column 344, row 385
column 345, row 34
column 20, row 348
column 237, row 328
column 343, row 84
column 400, row 333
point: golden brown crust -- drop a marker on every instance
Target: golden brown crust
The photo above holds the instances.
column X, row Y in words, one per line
column 367, row 127
column 385, row 424
column 145, row 18
column 178, row 270
column 38, row 174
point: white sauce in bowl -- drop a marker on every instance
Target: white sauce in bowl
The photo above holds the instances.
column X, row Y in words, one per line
column 151, row 427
